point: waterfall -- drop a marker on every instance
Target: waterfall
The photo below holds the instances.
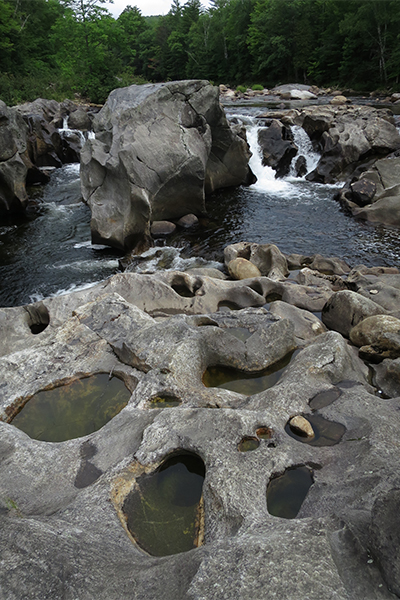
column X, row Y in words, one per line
column 65, row 132
column 305, row 148
column 266, row 181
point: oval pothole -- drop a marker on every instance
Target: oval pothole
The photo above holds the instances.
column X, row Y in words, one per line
column 286, row 493
column 244, row 382
column 72, row 410
column 164, row 401
column 326, row 433
column 248, row 443
column 164, row 510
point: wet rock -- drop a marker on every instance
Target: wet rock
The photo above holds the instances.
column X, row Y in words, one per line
column 338, row 100
column 346, row 309
column 300, row 424
column 306, row 325
column 161, row 229
column 277, row 147
column 381, row 332
column 140, row 167
column 363, row 191
column 241, row 268
column 300, row 166
column 188, row 221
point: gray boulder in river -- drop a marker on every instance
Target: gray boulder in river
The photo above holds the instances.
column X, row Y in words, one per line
column 159, row 148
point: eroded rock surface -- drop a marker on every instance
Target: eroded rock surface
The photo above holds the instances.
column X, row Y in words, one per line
column 59, row 502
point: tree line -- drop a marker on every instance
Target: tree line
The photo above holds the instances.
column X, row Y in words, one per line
column 58, row 48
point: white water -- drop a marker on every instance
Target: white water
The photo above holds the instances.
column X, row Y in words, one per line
column 65, row 131
column 306, row 149
column 266, row 181
column 168, row 258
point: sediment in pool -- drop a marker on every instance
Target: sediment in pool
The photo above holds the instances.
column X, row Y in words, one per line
column 164, row 510
column 73, row 410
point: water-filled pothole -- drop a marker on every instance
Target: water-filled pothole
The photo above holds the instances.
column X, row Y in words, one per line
column 326, row 433
column 286, row 493
column 245, row 383
column 325, row 398
column 164, row 401
column 248, row 443
column 164, row 511
column 73, row 410
column 264, row 433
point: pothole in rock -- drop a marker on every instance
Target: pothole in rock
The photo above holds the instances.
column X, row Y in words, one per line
column 38, row 317
column 164, row 401
column 227, row 306
column 248, row 443
column 73, row 410
column 264, row 433
column 164, row 511
column 286, row 493
column 243, row 382
column 325, row 398
column 326, row 433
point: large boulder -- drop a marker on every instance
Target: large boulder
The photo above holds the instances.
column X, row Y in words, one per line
column 158, row 149
column 14, row 161
column 348, row 136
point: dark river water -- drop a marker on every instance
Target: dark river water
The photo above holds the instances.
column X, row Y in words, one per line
column 49, row 251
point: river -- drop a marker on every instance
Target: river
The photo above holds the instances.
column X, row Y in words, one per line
column 49, row 252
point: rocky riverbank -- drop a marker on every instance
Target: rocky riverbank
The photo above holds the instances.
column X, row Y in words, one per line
column 60, row 502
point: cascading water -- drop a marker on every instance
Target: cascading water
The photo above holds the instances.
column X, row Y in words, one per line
column 305, row 148
column 66, row 132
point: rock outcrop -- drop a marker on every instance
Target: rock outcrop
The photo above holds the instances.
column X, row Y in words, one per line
column 374, row 195
column 348, row 137
column 158, row 149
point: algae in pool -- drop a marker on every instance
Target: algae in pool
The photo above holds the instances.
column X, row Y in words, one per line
column 73, row 410
column 286, row 493
column 164, row 511
column 245, row 383
column 248, row 443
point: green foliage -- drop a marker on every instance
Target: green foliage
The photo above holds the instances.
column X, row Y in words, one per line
column 257, row 87
column 58, row 48
column 241, row 88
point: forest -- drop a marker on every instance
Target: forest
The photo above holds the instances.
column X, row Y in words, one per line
column 76, row 49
